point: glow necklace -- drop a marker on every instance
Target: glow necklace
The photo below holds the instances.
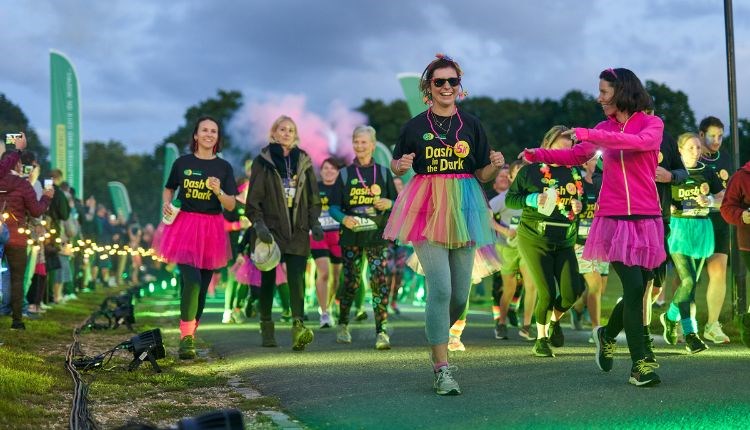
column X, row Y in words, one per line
column 460, row 148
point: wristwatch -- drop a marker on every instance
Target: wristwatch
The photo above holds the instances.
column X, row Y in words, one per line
column 221, row 192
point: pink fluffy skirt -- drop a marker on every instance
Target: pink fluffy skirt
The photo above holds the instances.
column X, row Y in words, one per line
column 632, row 242
column 195, row 239
column 247, row 274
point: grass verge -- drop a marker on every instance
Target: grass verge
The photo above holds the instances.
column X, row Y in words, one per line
column 37, row 391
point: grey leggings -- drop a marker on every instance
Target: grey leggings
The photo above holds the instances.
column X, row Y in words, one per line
column 448, row 280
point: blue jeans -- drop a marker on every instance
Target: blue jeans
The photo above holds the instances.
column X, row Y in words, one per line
column 5, row 291
column 448, row 280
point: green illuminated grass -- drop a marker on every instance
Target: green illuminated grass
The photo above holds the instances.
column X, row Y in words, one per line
column 36, row 390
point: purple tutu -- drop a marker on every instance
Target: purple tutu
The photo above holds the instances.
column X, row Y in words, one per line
column 632, row 242
column 247, row 274
column 195, row 239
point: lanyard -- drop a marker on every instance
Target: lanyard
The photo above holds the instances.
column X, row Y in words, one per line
column 362, row 181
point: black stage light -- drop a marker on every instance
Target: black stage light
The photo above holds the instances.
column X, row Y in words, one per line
column 146, row 346
column 226, row 419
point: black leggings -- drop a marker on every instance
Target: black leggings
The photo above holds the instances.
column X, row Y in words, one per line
column 551, row 266
column 295, row 274
column 628, row 313
column 194, row 289
column 685, row 294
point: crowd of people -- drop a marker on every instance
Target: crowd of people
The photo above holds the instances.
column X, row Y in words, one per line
column 622, row 195
column 56, row 246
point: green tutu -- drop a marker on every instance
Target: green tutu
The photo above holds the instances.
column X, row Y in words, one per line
column 693, row 237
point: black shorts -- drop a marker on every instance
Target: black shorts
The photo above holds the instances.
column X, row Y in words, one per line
column 325, row 253
column 721, row 234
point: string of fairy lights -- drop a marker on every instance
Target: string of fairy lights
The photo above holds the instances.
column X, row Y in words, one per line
column 89, row 248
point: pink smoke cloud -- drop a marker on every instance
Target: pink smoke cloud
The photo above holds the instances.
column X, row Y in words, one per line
column 320, row 137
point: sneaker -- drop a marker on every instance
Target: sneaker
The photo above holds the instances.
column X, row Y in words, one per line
column 591, row 339
column 525, row 333
column 343, row 335
column 512, row 318
column 714, row 333
column 238, row 316
column 286, row 315
column 605, row 349
column 325, row 320
column 576, row 320
column 642, row 373
column 301, row 336
column 694, row 344
column 541, row 348
column 444, row 383
column 455, row 344
column 382, row 341
column 17, row 325
column 227, row 317
column 187, row 348
column 670, row 329
column 501, row 331
column 361, row 315
column 556, row 338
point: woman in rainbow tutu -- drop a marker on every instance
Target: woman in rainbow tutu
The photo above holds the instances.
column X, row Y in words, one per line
column 443, row 211
column 193, row 236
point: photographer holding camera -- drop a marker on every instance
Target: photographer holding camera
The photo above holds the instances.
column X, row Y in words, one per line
column 18, row 198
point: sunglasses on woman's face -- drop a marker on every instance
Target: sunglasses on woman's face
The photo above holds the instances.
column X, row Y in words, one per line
column 439, row 82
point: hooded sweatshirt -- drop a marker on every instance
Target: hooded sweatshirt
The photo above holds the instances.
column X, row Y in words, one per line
column 630, row 154
column 737, row 200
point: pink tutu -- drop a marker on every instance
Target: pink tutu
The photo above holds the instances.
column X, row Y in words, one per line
column 247, row 274
column 448, row 210
column 632, row 242
column 195, row 239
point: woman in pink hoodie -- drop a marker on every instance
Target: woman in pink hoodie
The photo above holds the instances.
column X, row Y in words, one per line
column 627, row 230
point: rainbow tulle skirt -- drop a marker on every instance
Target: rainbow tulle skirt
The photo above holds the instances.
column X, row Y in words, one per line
column 448, row 210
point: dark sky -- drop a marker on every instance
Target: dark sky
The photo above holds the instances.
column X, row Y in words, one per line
column 140, row 64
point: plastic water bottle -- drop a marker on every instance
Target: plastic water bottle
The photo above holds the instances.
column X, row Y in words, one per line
column 175, row 207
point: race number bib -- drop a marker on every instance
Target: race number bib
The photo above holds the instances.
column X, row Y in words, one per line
column 290, row 190
column 584, row 226
column 327, row 222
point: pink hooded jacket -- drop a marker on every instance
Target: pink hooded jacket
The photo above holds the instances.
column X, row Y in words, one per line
column 629, row 159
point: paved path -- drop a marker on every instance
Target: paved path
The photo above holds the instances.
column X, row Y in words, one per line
column 356, row 387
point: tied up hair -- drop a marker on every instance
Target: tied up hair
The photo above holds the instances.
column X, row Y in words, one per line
column 441, row 61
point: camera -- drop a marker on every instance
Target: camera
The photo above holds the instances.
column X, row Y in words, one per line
column 27, row 169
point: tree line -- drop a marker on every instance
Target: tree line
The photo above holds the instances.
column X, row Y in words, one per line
column 511, row 125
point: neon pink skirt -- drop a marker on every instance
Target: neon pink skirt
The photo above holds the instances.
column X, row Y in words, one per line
column 195, row 239
column 632, row 242
column 247, row 274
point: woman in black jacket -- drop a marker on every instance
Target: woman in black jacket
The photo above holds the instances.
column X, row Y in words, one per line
column 283, row 204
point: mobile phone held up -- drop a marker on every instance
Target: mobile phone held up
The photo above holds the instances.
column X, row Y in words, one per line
column 10, row 141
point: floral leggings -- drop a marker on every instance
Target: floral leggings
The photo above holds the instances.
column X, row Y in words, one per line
column 377, row 259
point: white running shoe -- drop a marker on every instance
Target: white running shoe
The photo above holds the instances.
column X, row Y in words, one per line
column 227, row 317
column 455, row 344
column 714, row 333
